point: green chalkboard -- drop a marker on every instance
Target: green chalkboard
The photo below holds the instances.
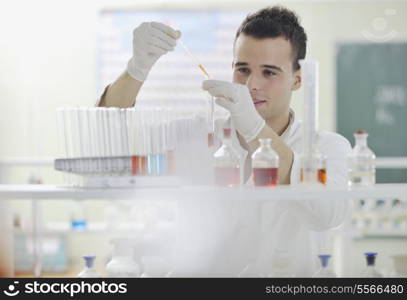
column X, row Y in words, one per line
column 372, row 95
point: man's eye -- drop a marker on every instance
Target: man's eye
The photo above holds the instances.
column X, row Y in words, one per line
column 268, row 73
column 243, row 70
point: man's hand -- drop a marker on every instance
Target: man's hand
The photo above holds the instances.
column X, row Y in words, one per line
column 151, row 40
column 237, row 100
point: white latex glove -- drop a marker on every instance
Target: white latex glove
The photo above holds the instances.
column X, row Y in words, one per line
column 237, row 100
column 151, row 40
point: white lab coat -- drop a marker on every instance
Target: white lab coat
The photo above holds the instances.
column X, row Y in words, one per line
column 231, row 237
column 293, row 231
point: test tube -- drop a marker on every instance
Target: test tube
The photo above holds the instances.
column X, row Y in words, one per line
column 140, row 142
column 148, row 140
column 162, row 153
column 139, row 159
column 89, row 139
column 113, row 136
column 168, row 147
column 132, row 140
column 107, row 137
column 121, row 128
column 91, row 112
column 124, row 134
column 100, row 133
column 76, row 137
column 153, row 161
column 170, row 143
column 115, row 131
column 120, row 131
column 83, row 138
column 142, row 117
column 130, row 131
column 63, row 145
column 64, row 134
column 310, row 158
column 97, row 127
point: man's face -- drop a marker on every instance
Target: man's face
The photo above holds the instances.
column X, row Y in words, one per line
column 265, row 66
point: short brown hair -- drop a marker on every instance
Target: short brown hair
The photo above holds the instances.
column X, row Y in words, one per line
column 276, row 21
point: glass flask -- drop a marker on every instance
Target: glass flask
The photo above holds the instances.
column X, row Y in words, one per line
column 265, row 164
column 361, row 162
column 227, row 162
column 313, row 165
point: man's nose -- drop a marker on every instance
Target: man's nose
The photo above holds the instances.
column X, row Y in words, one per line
column 253, row 82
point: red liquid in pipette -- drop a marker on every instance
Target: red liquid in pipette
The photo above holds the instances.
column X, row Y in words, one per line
column 211, row 139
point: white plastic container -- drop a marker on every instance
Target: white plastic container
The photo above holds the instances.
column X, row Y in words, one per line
column 122, row 263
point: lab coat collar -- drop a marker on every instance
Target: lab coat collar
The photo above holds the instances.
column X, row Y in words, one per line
column 292, row 124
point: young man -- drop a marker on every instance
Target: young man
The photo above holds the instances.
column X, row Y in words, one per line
column 266, row 70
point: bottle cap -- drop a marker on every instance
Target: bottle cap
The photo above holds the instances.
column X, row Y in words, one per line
column 324, row 259
column 89, row 260
column 370, row 258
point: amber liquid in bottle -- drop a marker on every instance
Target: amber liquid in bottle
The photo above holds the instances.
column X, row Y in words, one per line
column 322, row 177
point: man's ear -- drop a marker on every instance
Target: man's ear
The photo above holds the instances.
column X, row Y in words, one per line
column 297, row 80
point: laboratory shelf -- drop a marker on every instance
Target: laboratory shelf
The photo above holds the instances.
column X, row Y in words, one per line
column 192, row 193
column 382, row 235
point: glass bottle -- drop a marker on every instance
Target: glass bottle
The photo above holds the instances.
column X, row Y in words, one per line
column 227, row 162
column 322, row 175
column 325, row 270
column 122, row 263
column 361, row 162
column 370, row 270
column 313, row 165
column 89, row 271
column 265, row 163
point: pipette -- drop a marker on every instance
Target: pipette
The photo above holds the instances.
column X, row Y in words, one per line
column 212, row 104
column 200, row 66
